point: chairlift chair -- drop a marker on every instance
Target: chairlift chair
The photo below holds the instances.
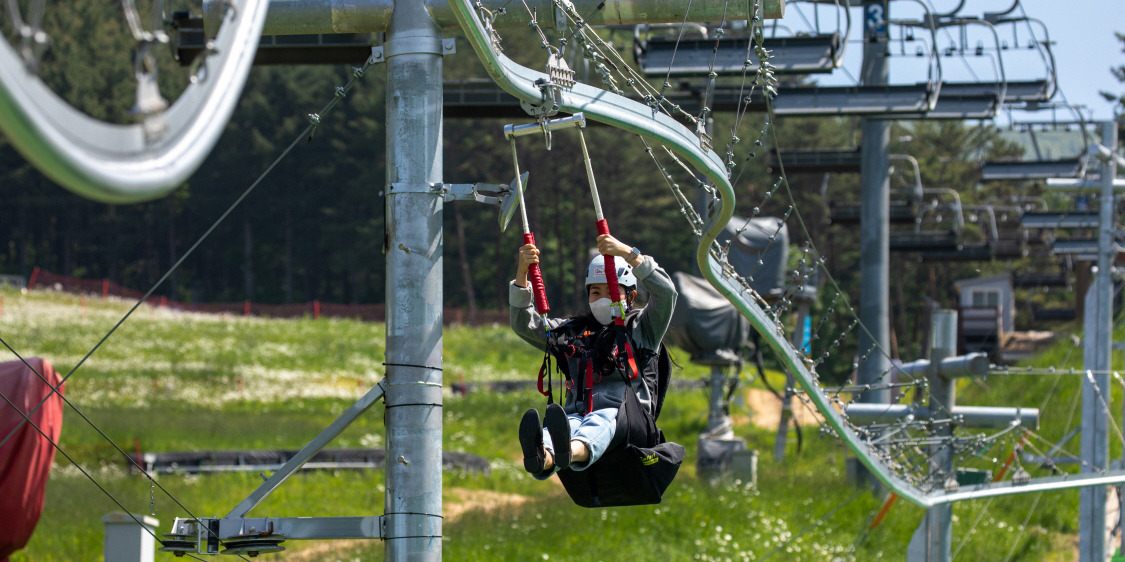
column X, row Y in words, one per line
column 189, row 40
column 924, row 241
column 816, row 160
column 1039, row 279
column 1000, row 170
column 812, row 51
column 660, row 56
column 901, row 212
column 1042, row 168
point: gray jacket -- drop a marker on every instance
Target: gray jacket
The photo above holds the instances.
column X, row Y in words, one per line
column 649, row 329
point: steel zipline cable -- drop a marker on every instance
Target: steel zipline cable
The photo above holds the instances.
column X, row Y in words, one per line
column 59, row 448
column 314, row 120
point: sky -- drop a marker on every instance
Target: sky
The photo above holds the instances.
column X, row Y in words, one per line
column 1086, row 47
column 1082, row 32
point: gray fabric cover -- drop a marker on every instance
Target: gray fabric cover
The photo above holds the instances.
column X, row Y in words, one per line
column 705, row 324
column 754, row 240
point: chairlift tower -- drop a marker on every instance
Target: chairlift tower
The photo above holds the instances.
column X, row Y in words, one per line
column 875, row 212
column 1092, row 536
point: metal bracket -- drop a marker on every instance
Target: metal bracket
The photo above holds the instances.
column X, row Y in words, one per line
column 417, row 45
column 472, row 192
column 405, row 187
column 550, row 97
column 319, row 442
column 262, row 535
column 377, row 55
column 577, row 120
column 487, row 193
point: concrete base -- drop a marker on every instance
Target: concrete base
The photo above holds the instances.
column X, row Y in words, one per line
column 726, row 457
column 126, row 541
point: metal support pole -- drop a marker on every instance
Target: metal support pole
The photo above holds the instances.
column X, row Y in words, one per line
column 874, row 212
column 414, row 285
column 718, row 423
column 781, row 440
column 938, row 521
column 1093, row 544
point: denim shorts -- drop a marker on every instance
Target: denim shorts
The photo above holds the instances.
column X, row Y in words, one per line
column 595, row 429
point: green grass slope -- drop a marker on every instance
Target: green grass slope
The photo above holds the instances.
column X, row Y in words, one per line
column 174, row 381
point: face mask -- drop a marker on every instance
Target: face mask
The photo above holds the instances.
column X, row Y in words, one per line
column 603, row 311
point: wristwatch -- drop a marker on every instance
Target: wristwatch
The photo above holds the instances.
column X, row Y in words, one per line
column 634, row 253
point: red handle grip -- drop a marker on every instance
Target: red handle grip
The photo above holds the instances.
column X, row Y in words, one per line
column 536, row 278
column 610, row 270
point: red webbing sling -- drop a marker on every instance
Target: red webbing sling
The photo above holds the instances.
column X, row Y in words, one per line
column 610, row 269
column 26, row 458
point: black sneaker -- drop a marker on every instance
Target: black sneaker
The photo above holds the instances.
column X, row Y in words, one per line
column 531, row 440
column 559, row 428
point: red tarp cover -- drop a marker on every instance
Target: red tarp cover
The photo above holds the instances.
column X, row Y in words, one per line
column 25, row 460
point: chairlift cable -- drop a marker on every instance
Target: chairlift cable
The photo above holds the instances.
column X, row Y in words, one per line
column 668, row 76
column 1023, row 527
column 633, row 79
column 709, row 88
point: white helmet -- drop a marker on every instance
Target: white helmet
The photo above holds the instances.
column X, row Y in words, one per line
column 596, row 272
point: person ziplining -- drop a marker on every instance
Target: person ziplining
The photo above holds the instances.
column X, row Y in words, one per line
column 602, row 441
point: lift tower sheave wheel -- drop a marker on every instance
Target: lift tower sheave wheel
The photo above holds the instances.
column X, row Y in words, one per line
column 114, row 163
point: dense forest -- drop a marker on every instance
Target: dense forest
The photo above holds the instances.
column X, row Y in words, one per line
column 313, row 229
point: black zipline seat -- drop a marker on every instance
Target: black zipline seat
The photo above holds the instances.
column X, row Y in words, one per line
column 840, row 212
column 996, row 170
column 790, row 55
column 188, row 39
column 635, row 470
column 638, row 466
column 816, row 160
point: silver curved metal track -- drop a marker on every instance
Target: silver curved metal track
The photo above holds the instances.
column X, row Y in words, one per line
column 120, row 163
column 611, row 109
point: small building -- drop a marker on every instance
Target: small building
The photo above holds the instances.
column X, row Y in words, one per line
column 990, row 292
column 987, row 306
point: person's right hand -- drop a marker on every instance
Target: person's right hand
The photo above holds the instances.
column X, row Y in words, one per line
column 529, row 254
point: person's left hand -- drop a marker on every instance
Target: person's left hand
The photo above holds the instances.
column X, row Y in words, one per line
column 608, row 245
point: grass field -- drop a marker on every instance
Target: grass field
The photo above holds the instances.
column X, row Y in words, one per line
column 173, row 381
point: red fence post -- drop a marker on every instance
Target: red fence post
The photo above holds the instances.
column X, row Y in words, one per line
column 246, row 308
column 316, row 309
column 105, row 289
column 34, row 277
column 163, row 301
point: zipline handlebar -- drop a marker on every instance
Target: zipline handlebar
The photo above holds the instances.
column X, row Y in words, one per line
column 546, row 126
column 534, row 275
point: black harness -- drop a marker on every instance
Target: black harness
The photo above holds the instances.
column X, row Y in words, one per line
column 639, row 464
column 599, row 351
